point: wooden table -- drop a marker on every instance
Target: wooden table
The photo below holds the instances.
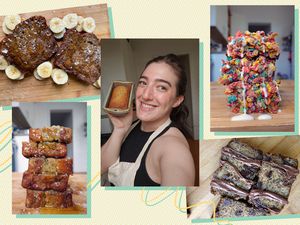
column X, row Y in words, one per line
column 77, row 182
column 29, row 89
column 211, row 149
column 220, row 119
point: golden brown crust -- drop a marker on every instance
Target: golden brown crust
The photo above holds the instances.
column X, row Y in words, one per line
column 44, row 182
column 50, row 166
column 45, row 149
column 54, row 199
column 119, row 97
column 50, row 134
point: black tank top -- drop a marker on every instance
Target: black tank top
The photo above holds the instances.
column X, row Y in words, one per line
column 131, row 148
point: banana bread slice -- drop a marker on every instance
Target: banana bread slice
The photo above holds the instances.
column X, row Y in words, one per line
column 43, row 182
column 44, row 149
column 54, row 199
column 228, row 207
column 50, row 166
column 50, row 134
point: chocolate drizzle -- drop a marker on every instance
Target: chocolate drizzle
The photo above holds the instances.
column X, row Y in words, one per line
column 229, row 152
column 290, row 172
column 260, row 194
column 221, row 185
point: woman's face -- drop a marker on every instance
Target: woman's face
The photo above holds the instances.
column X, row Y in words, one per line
column 156, row 93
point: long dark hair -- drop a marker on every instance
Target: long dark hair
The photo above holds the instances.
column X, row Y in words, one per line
column 181, row 112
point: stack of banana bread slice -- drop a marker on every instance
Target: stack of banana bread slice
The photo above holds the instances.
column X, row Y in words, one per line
column 46, row 179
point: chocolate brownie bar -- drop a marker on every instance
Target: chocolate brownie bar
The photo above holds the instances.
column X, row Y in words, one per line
column 269, row 201
column 50, row 134
column 54, row 199
column 50, row 166
column 276, row 178
column 226, row 188
column 30, row 44
column 229, row 173
column 44, row 149
column 228, row 207
column 245, row 149
column 280, row 159
column 44, row 182
column 248, row 167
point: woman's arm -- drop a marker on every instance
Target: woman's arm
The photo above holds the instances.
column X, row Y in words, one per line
column 110, row 151
column 176, row 163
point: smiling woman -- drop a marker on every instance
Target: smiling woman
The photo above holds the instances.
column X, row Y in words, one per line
column 153, row 150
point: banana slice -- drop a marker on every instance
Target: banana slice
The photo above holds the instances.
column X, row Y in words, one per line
column 11, row 21
column 12, row 72
column 21, row 77
column 3, row 63
column 59, row 76
column 44, row 70
column 5, row 29
column 70, row 20
column 60, row 35
column 89, row 25
column 79, row 26
column 36, row 75
column 97, row 84
column 56, row 25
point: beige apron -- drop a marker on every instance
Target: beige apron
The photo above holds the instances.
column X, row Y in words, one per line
column 123, row 173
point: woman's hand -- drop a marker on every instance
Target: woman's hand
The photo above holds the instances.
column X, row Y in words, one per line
column 122, row 123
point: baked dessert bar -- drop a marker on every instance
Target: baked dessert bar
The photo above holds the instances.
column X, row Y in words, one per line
column 269, row 201
column 44, row 149
column 248, row 167
column 228, row 207
column 226, row 188
column 30, row 44
column 229, row 173
column 44, row 182
column 50, row 166
column 119, row 97
column 50, row 134
column 54, row 199
column 80, row 55
column 276, row 178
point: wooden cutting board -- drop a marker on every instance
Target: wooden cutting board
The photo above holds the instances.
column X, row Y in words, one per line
column 77, row 182
column 221, row 116
column 29, row 89
column 211, row 149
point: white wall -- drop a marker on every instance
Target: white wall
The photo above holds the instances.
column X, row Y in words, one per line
column 38, row 115
column 135, row 54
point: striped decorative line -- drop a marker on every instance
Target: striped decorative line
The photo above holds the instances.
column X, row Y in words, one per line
column 5, row 168
column 93, row 179
column 5, row 161
column 95, row 185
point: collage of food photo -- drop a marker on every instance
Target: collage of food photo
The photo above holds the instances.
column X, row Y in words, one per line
column 93, row 114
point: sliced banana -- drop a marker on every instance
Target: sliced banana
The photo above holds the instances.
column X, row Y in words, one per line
column 60, row 35
column 59, row 76
column 97, row 84
column 12, row 72
column 36, row 75
column 56, row 25
column 79, row 26
column 5, row 29
column 70, row 20
column 21, row 77
column 44, row 70
column 89, row 25
column 11, row 21
column 3, row 63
